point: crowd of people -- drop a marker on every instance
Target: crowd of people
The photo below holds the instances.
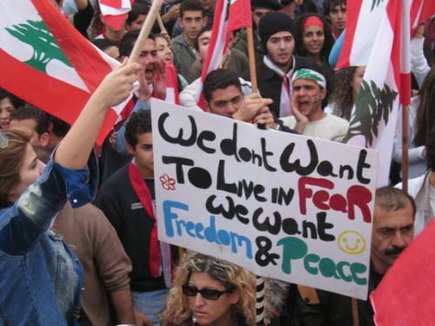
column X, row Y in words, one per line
column 76, row 249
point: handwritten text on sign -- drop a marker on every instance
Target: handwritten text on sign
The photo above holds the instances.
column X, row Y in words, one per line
column 284, row 206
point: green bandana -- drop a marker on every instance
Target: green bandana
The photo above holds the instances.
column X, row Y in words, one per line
column 310, row 74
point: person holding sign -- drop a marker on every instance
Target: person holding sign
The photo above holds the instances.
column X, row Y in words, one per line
column 309, row 89
column 223, row 95
column 393, row 230
column 210, row 291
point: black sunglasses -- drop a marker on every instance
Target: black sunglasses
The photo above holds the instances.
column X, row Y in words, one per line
column 209, row 294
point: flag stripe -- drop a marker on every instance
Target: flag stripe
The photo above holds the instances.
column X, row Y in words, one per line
column 351, row 23
column 216, row 45
column 14, row 73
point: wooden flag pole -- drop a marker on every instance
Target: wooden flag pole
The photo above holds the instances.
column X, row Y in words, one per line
column 259, row 293
column 145, row 30
column 251, row 57
column 405, row 148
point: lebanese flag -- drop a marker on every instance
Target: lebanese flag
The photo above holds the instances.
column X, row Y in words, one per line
column 171, row 83
column 405, row 294
column 229, row 16
column 421, row 10
column 378, row 37
column 115, row 12
column 45, row 61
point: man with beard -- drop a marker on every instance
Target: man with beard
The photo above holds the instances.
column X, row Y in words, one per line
column 393, row 230
column 276, row 69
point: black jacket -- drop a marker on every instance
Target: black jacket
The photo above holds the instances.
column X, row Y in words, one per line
column 120, row 204
column 270, row 83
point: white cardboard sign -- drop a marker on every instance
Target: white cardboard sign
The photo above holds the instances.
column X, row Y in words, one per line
column 284, row 206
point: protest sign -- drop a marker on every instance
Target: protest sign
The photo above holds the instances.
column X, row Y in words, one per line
column 284, row 206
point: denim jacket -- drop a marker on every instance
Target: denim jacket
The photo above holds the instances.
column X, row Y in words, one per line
column 41, row 278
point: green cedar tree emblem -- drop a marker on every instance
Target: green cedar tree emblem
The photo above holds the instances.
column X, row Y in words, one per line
column 375, row 3
column 45, row 47
column 372, row 106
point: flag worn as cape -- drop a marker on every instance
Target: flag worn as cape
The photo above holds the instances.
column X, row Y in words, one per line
column 229, row 16
column 45, row 61
column 405, row 295
column 378, row 36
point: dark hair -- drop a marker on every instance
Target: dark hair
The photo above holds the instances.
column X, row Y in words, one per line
column 341, row 98
column 30, row 112
column 219, row 79
column 425, row 119
column 191, row 5
column 137, row 9
column 58, row 127
column 206, row 28
column 104, row 43
column 299, row 32
column 393, row 199
column 328, row 5
column 128, row 40
column 430, row 150
column 15, row 101
column 138, row 123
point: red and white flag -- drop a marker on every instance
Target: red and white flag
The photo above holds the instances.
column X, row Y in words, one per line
column 421, row 10
column 115, row 12
column 405, row 294
column 45, row 61
column 229, row 16
column 378, row 37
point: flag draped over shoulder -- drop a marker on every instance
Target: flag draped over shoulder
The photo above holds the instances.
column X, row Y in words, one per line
column 45, row 61
column 229, row 16
column 378, row 36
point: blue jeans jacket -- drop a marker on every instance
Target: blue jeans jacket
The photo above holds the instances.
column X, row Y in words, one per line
column 41, row 278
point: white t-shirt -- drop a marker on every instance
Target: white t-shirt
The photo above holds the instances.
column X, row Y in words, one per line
column 330, row 127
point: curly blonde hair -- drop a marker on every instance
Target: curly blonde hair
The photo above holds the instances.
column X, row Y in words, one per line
column 177, row 306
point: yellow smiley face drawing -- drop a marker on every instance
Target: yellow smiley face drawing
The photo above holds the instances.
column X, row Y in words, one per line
column 351, row 242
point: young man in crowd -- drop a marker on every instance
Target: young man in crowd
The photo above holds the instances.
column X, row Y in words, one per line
column 335, row 13
column 34, row 123
column 274, row 72
column 233, row 59
column 223, row 96
column 259, row 9
column 192, row 20
column 308, row 88
column 127, row 198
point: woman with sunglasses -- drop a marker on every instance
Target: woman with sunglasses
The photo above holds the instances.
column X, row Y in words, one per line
column 210, row 291
column 41, row 279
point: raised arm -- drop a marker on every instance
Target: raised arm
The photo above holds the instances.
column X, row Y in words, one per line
column 75, row 148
